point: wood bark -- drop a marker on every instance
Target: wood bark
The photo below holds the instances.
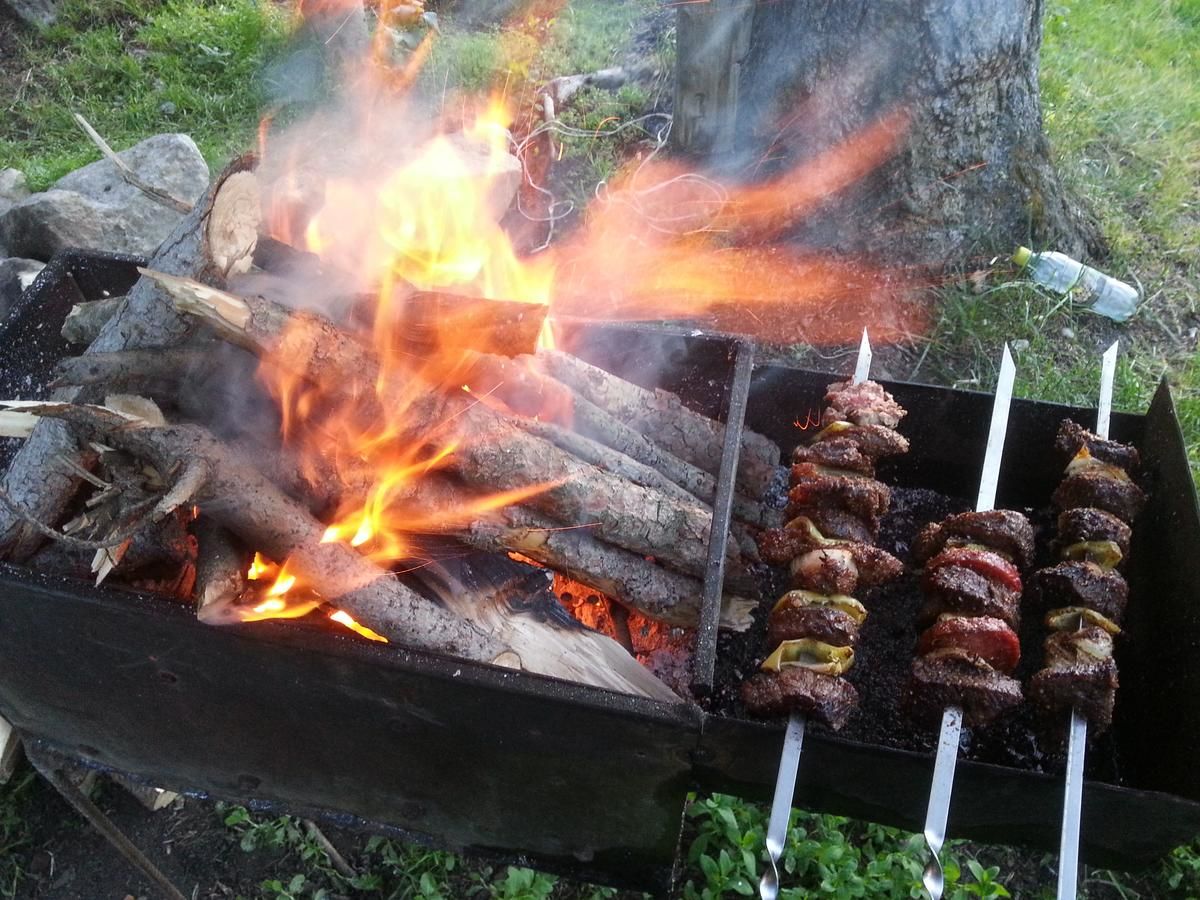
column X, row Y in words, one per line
column 974, row 173
column 37, row 480
column 493, row 453
column 667, row 421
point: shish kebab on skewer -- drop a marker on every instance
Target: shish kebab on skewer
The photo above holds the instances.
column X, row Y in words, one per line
column 834, row 505
column 973, row 589
column 1086, row 597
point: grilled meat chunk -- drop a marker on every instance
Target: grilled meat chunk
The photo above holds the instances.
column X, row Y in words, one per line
column 985, row 562
column 1002, row 530
column 873, row 441
column 979, row 636
column 1080, row 673
column 961, row 591
column 1086, row 524
column 840, row 524
column 864, row 403
column 836, row 453
column 952, row 678
column 1084, row 584
column 1073, row 437
column 1097, row 489
column 829, row 624
column 825, row 698
column 813, row 487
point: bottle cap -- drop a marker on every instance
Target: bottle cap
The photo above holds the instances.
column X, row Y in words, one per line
column 1022, row 256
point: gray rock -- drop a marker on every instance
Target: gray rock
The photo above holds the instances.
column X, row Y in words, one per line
column 15, row 276
column 32, row 12
column 45, row 223
column 12, row 186
column 96, row 209
column 171, row 162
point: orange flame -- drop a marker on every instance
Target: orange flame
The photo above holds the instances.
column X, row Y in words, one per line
column 399, row 217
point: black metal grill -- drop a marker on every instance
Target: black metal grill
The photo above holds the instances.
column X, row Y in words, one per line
column 567, row 777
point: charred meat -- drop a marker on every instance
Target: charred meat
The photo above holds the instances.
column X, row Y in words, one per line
column 990, row 565
column 961, row 591
column 1001, row 530
column 873, row 441
column 864, row 403
column 836, row 453
column 1088, row 525
column 831, row 619
column 1080, row 673
column 1097, row 488
column 1073, row 437
column 813, row 486
column 825, row 698
column 953, row 678
column 1084, row 584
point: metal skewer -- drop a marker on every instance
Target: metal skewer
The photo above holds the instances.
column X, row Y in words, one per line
column 793, row 737
column 1068, row 848
column 938, row 811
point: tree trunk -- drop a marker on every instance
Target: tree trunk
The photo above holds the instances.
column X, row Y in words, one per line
column 972, row 175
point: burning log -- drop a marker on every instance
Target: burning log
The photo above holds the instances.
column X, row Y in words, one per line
column 220, row 569
column 663, row 417
column 493, row 451
column 215, row 238
column 236, row 495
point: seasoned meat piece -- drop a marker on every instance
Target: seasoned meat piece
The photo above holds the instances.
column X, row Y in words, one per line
column 779, row 546
column 1081, row 673
column 840, row 524
column 873, row 441
column 958, row 590
column 1097, row 489
column 837, row 453
column 951, row 678
column 864, row 497
column 1002, row 530
column 981, row 636
column 1084, row 584
column 985, row 562
column 865, row 403
column 1085, row 524
column 875, row 566
column 829, row 570
column 821, row 623
column 1073, row 437
column 826, row 698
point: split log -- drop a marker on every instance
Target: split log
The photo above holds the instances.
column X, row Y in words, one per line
column 493, row 452
column 662, row 416
column 528, row 390
column 204, row 245
column 235, row 494
column 86, row 320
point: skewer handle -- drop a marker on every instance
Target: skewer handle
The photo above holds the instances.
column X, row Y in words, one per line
column 938, row 812
column 781, row 805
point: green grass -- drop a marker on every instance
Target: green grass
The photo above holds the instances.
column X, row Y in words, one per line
column 123, row 64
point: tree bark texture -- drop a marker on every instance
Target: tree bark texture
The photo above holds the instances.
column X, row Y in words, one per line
column 36, row 479
column 973, row 173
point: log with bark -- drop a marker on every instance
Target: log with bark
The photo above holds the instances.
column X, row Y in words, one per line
column 212, row 240
column 492, row 451
column 236, row 495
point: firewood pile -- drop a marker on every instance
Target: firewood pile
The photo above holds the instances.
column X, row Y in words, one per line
column 133, row 472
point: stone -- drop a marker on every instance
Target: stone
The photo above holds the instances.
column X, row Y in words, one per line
column 96, row 209
column 32, row 12
column 15, row 276
column 12, row 186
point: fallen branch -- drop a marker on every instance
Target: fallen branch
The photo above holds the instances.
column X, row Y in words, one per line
column 131, row 177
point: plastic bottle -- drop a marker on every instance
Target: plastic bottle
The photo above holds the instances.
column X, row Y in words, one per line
column 1101, row 293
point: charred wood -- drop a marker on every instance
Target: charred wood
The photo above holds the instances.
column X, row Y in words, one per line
column 86, row 320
